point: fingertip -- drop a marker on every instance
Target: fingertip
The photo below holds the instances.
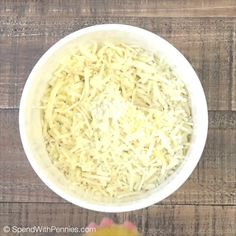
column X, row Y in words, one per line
column 92, row 225
column 106, row 222
column 129, row 225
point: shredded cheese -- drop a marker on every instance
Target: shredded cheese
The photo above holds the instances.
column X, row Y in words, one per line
column 116, row 120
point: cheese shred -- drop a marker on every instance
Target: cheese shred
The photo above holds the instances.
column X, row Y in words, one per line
column 116, row 119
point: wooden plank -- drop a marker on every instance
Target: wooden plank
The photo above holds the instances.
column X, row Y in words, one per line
column 212, row 182
column 147, row 8
column 18, row 56
column 206, row 42
column 214, row 179
column 222, row 120
column 233, row 94
column 160, row 220
column 18, row 181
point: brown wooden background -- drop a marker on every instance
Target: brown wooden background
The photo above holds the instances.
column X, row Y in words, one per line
column 204, row 31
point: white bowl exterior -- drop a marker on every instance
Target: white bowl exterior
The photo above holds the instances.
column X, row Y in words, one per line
column 30, row 125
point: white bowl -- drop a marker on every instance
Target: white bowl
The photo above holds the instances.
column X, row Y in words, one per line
column 30, row 125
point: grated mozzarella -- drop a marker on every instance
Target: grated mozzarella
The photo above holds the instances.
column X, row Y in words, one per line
column 116, row 120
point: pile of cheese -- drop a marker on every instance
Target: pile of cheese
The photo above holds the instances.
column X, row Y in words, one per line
column 116, row 119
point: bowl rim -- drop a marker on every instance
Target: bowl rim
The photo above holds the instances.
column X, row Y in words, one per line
column 174, row 184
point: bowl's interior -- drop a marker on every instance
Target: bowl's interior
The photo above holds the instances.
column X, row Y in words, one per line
column 30, row 124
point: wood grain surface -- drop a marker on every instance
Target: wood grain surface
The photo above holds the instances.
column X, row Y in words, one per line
column 209, row 44
column 187, row 220
column 204, row 31
column 135, row 8
column 213, row 181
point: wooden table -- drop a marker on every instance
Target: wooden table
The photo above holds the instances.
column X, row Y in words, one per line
column 204, row 31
